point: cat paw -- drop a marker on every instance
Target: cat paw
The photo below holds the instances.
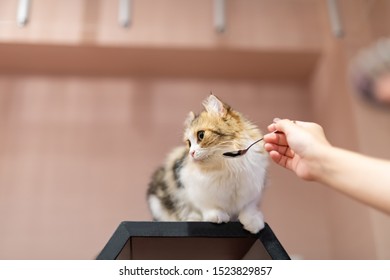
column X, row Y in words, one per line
column 253, row 223
column 216, row 216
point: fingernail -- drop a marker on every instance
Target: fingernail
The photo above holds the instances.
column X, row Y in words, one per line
column 276, row 120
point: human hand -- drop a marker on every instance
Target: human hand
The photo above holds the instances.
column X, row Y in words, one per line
column 298, row 146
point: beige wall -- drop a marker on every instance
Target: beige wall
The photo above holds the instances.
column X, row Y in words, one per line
column 77, row 151
column 77, row 154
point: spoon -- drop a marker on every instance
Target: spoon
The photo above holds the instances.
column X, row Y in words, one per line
column 243, row 152
column 240, row 152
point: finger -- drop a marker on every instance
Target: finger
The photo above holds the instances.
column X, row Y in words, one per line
column 275, row 120
column 285, row 125
column 283, row 150
column 271, row 127
column 276, row 157
column 276, row 138
column 282, row 160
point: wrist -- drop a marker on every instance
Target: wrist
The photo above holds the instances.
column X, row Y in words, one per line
column 321, row 163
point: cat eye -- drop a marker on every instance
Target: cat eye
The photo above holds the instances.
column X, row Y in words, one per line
column 189, row 143
column 200, row 135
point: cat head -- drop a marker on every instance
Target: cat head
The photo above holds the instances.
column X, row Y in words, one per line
column 215, row 130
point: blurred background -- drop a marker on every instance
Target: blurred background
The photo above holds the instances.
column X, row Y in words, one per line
column 94, row 93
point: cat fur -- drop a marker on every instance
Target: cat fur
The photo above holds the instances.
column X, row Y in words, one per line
column 198, row 183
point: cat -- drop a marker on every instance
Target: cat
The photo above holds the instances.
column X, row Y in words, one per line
column 198, row 183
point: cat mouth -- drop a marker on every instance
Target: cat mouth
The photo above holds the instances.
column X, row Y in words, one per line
column 199, row 159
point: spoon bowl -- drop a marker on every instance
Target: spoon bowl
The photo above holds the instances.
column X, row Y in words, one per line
column 240, row 152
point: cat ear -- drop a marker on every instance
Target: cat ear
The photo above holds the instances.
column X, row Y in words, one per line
column 189, row 119
column 215, row 106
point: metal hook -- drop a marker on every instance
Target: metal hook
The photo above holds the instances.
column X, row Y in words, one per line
column 219, row 15
column 335, row 20
column 124, row 13
column 23, row 12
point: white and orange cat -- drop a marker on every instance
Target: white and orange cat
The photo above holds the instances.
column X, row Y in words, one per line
column 198, row 183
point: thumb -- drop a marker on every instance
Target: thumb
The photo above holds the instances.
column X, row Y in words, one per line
column 284, row 125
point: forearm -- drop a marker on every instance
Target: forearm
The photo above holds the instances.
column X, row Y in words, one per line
column 363, row 178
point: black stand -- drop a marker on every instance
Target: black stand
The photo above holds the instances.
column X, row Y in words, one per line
column 190, row 241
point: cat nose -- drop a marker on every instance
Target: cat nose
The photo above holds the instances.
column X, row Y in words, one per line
column 192, row 153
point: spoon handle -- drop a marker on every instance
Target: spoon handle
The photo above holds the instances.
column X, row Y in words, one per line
column 254, row 143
